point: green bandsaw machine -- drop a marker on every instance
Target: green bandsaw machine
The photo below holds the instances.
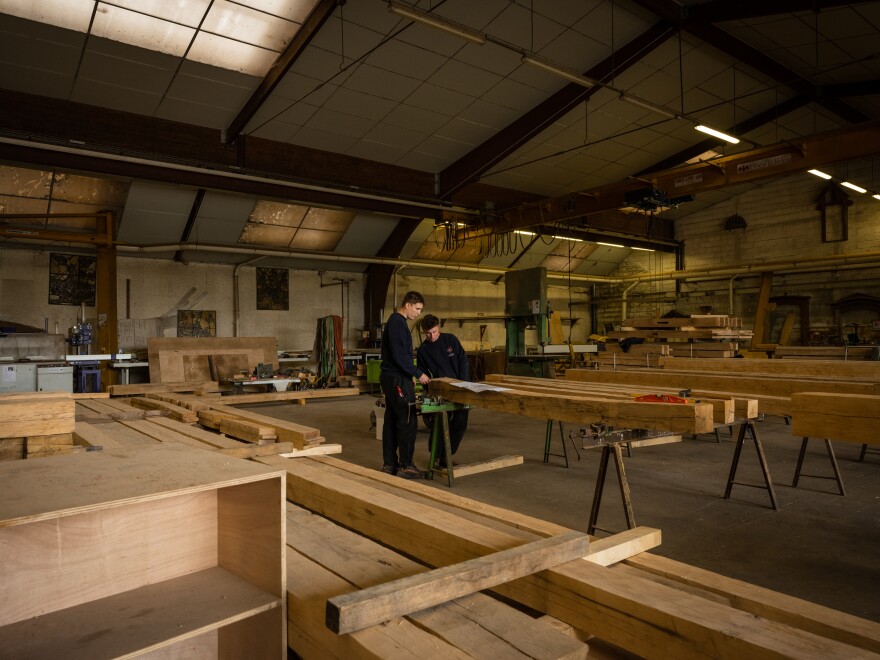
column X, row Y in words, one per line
column 527, row 307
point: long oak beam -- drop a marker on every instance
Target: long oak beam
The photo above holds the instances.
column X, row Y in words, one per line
column 679, row 418
column 652, row 620
column 374, row 605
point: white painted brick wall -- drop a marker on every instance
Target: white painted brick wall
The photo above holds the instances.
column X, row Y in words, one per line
column 783, row 225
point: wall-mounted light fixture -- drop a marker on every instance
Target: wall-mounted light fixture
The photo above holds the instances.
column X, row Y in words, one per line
column 438, row 22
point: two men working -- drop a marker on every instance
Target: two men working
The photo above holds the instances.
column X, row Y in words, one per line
column 441, row 355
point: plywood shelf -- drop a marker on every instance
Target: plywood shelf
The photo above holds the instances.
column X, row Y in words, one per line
column 172, row 548
column 141, row 620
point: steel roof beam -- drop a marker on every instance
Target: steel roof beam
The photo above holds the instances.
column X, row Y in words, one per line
column 784, row 158
column 310, row 27
column 472, row 165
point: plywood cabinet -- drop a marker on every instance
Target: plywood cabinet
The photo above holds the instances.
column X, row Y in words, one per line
column 168, row 552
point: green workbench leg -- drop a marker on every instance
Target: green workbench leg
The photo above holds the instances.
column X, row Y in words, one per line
column 438, row 428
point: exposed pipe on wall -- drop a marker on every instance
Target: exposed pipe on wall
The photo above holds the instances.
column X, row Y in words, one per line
column 730, row 296
column 623, row 301
column 236, row 304
column 815, row 264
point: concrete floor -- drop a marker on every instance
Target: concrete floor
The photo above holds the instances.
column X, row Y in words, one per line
column 818, row 546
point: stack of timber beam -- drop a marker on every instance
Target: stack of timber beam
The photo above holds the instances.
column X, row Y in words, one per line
column 98, row 411
column 612, row 354
column 848, row 417
column 704, row 349
column 326, row 561
column 358, row 383
column 725, row 409
column 708, row 326
column 211, row 389
column 828, row 352
column 646, row 605
column 137, row 389
column 36, row 424
column 584, row 408
column 301, row 437
column 773, row 391
column 137, row 433
column 856, row 370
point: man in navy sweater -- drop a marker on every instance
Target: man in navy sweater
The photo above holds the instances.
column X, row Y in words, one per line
column 396, row 379
column 442, row 356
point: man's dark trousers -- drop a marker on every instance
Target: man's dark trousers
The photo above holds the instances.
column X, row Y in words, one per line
column 399, row 428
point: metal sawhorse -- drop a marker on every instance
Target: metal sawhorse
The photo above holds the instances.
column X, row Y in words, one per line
column 564, row 454
column 747, row 427
column 800, row 463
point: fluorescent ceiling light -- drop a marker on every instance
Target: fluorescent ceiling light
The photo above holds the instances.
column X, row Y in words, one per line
column 617, row 245
column 718, row 134
column 643, row 249
column 566, row 238
column 437, row 22
column 524, row 233
column 647, row 105
column 876, row 196
column 853, row 186
column 819, row 174
column 558, row 70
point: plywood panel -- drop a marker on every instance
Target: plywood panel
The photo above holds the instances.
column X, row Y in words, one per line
column 183, row 359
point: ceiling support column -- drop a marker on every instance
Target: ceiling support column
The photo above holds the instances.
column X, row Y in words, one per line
column 107, row 332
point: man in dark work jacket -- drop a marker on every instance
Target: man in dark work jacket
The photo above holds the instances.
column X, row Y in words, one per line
column 396, row 379
column 442, row 356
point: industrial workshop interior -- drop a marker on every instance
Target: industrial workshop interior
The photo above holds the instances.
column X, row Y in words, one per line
column 439, row 328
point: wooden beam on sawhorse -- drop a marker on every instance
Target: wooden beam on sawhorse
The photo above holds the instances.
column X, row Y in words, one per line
column 748, row 427
column 836, row 476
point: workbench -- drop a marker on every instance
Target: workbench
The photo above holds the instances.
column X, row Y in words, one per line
column 125, row 366
column 278, row 384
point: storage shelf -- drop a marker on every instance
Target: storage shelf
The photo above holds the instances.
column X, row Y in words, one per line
column 167, row 551
column 139, row 620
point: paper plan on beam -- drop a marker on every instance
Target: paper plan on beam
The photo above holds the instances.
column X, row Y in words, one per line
column 480, row 387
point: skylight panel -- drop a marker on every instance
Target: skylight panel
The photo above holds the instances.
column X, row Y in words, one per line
column 232, row 55
column 140, row 30
column 231, row 20
column 186, row 12
column 69, row 14
column 294, row 10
